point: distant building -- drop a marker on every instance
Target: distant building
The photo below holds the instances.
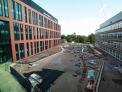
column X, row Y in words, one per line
column 109, row 37
column 26, row 29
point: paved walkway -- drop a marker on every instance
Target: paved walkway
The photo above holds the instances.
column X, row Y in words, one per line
column 7, row 82
column 112, row 81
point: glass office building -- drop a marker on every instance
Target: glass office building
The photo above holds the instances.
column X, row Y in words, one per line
column 26, row 29
column 109, row 37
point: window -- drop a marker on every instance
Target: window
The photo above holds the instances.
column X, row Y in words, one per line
column 40, row 20
column 48, row 23
column 26, row 30
column 33, row 15
column 1, row 12
column 25, row 14
column 4, row 32
column 46, row 34
column 31, row 48
column 46, row 44
column 50, row 34
column 30, row 32
column 34, row 32
column 16, row 31
column 36, row 19
column 17, row 51
column 21, row 32
column 37, row 33
column 27, row 47
column 45, row 22
column 29, row 11
column 41, row 33
column 22, row 54
column 6, row 8
column 13, row 8
column 18, row 11
column 5, row 47
column 35, row 47
column 50, row 44
column 41, row 45
column 120, row 57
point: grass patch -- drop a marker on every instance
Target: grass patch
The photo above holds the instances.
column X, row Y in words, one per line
column 69, row 43
column 7, row 82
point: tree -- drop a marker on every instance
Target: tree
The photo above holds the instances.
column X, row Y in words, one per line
column 91, row 38
column 79, row 38
column 63, row 37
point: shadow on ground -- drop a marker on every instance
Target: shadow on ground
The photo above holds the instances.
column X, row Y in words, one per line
column 118, row 81
column 49, row 77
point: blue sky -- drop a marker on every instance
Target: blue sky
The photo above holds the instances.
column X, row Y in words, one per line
column 81, row 16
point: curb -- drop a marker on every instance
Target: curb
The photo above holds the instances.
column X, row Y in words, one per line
column 99, row 77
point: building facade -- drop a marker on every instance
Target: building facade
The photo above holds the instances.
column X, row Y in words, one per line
column 109, row 37
column 26, row 29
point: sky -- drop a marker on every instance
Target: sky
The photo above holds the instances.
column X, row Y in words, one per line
column 81, row 16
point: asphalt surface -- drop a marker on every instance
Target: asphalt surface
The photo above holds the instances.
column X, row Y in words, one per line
column 111, row 80
column 59, row 71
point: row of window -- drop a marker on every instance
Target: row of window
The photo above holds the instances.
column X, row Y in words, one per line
column 112, row 52
column 33, row 48
column 33, row 32
column 111, row 43
column 34, row 18
column 110, row 35
column 111, row 27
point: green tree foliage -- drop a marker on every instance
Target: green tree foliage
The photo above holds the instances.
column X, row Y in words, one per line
column 91, row 38
column 63, row 37
column 79, row 39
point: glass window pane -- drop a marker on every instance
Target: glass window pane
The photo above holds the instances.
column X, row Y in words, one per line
column 13, row 8
column 40, row 20
column 18, row 11
column 29, row 16
column 16, row 31
column 25, row 14
column 1, row 8
column 6, row 8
